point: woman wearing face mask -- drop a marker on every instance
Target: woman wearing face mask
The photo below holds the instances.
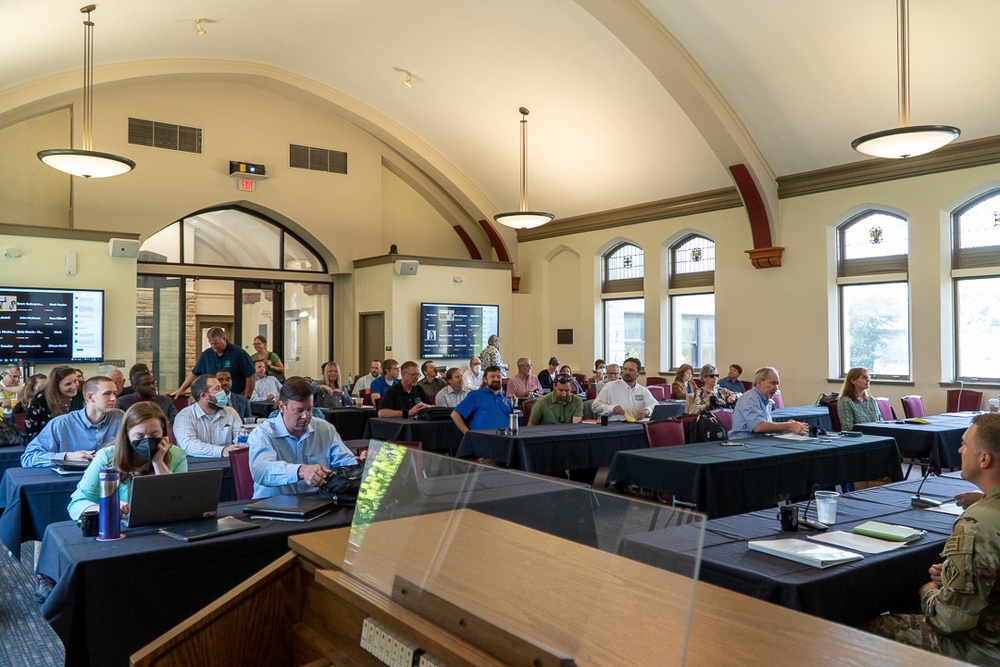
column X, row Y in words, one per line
column 141, row 448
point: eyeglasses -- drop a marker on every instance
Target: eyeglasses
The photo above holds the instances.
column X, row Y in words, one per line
column 564, row 378
column 712, row 376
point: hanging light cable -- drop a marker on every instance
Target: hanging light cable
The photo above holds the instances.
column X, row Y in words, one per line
column 87, row 163
column 524, row 219
column 906, row 140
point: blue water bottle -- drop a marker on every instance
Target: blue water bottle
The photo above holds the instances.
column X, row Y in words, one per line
column 109, row 510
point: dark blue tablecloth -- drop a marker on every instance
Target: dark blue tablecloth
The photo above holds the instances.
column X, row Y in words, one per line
column 349, row 422
column 814, row 415
column 546, row 448
column 758, row 473
column 939, row 440
column 35, row 497
column 436, row 435
column 848, row 593
column 10, row 457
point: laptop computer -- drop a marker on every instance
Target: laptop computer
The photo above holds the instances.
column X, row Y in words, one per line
column 290, row 507
column 182, row 496
column 667, row 410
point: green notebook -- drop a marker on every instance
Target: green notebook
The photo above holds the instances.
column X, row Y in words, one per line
column 888, row 531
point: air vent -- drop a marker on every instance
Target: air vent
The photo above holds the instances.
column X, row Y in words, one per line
column 317, row 159
column 164, row 135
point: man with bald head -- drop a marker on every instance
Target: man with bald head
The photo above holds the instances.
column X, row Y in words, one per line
column 752, row 415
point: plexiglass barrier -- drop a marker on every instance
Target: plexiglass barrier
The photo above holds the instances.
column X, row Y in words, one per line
column 512, row 560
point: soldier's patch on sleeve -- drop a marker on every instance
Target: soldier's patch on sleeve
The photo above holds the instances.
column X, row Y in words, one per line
column 957, row 572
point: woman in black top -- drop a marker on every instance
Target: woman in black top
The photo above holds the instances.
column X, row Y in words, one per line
column 61, row 395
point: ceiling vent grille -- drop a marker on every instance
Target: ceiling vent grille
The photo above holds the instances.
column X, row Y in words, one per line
column 164, row 135
column 317, row 159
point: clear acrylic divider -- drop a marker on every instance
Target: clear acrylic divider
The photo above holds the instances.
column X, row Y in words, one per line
column 517, row 562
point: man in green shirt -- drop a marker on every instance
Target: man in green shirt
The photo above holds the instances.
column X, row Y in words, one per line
column 560, row 406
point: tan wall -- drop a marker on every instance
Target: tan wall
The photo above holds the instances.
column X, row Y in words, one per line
column 31, row 192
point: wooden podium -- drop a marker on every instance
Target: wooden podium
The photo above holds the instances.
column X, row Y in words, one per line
column 489, row 593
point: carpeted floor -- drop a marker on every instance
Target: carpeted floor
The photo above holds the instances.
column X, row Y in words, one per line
column 26, row 640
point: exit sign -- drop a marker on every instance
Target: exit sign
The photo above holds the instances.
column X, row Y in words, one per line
column 246, row 185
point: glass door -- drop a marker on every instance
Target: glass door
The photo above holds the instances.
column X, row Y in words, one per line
column 258, row 307
column 160, row 328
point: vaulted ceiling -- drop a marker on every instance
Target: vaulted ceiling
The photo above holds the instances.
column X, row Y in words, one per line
column 631, row 100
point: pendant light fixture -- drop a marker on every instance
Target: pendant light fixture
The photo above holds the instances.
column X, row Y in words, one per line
column 905, row 140
column 87, row 163
column 523, row 219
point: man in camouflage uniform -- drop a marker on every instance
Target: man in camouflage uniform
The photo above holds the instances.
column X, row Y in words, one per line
column 961, row 603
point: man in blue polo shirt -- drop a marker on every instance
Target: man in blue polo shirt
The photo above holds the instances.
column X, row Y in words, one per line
column 484, row 408
column 222, row 356
column 752, row 415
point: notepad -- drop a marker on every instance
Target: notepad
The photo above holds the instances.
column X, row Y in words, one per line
column 889, row 531
column 806, row 553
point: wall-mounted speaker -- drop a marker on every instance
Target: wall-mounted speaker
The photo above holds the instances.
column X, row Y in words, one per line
column 406, row 267
column 124, row 248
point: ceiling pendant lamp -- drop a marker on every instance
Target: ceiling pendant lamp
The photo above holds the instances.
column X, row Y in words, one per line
column 523, row 219
column 906, row 140
column 87, row 163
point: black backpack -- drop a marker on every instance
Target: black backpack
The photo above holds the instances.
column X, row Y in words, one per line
column 706, row 427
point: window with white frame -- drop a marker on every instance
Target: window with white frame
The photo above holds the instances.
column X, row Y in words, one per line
column 692, row 301
column 976, row 278
column 872, row 265
column 624, row 307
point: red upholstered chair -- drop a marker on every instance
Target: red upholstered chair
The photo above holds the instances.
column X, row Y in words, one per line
column 581, row 378
column 19, row 421
column 913, row 406
column 747, row 385
column 181, row 402
column 664, row 433
column 698, row 382
column 526, row 409
column 658, row 391
column 366, row 397
column 960, row 400
column 885, row 408
column 376, row 401
column 654, row 380
column 778, row 402
column 725, row 416
column 591, row 393
column 503, row 386
column 239, row 461
column 834, row 415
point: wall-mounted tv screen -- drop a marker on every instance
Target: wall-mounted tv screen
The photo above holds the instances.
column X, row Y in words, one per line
column 456, row 330
column 50, row 325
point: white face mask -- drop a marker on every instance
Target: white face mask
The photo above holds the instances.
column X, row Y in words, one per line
column 475, row 370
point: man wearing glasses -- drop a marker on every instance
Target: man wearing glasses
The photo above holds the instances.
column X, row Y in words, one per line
column 406, row 397
column 10, row 386
column 145, row 390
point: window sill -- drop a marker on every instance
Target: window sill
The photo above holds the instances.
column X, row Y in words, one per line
column 897, row 383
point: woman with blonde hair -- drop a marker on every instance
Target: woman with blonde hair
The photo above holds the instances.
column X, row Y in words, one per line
column 710, row 395
column 141, row 448
column 856, row 405
column 330, row 393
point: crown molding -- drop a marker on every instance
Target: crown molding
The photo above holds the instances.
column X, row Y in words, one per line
column 66, row 233
column 676, row 207
column 963, row 155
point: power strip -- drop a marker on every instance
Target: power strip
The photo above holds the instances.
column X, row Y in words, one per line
column 393, row 649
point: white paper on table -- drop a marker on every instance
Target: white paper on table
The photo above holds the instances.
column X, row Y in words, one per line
column 794, row 436
column 948, row 508
column 855, row 542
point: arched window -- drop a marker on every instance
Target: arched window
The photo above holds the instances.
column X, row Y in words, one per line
column 872, row 265
column 230, row 236
column 692, row 301
column 976, row 276
column 624, row 308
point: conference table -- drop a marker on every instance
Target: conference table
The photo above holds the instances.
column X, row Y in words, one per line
column 754, row 473
column 814, row 415
column 940, row 439
column 438, row 435
column 10, row 457
column 848, row 593
column 349, row 422
column 36, row 497
column 112, row 598
column 549, row 447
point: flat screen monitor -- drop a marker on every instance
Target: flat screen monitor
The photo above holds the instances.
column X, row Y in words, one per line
column 51, row 325
column 456, row 330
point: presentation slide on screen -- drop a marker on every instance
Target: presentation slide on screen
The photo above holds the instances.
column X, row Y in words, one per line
column 455, row 331
column 51, row 325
